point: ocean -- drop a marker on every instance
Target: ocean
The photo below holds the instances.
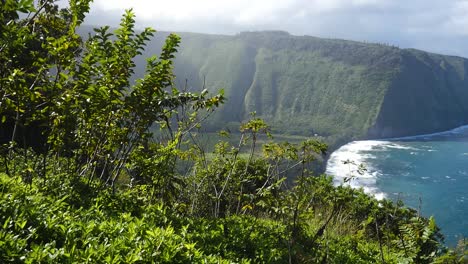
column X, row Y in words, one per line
column 428, row 172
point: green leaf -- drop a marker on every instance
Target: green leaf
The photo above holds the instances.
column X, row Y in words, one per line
column 7, row 222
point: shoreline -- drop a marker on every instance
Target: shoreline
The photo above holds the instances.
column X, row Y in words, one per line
column 450, row 132
column 415, row 146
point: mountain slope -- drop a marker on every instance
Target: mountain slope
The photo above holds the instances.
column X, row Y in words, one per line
column 342, row 90
column 428, row 95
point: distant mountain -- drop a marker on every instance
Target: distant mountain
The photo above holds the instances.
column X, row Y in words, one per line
column 343, row 90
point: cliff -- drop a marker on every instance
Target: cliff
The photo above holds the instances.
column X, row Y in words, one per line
column 342, row 90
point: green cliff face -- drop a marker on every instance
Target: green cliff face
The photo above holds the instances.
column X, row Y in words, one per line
column 338, row 89
column 429, row 94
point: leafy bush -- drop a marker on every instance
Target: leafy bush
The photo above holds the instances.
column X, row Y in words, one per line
column 103, row 188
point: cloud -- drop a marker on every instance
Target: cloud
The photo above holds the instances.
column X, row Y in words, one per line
column 236, row 11
column 434, row 25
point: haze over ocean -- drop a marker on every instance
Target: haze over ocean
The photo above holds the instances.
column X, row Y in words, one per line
column 429, row 172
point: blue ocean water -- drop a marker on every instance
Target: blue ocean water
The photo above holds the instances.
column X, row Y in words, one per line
column 428, row 172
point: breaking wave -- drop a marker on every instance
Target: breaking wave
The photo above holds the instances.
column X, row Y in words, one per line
column 453, row 133
column 343, row 163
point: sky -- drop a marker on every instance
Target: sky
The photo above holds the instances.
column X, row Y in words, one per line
column 439, row 26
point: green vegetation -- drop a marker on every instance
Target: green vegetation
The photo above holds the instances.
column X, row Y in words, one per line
column 84, row 179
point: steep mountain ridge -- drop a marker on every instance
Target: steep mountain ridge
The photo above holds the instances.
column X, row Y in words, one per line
column 342, row 90
column 428, row 95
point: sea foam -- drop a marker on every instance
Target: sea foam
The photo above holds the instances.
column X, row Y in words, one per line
column 357, row 152
column 360, row 152
column 461, row 131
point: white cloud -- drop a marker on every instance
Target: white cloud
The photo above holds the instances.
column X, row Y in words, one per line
column 458, row 23
column 407, row 23
column 243, row 11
